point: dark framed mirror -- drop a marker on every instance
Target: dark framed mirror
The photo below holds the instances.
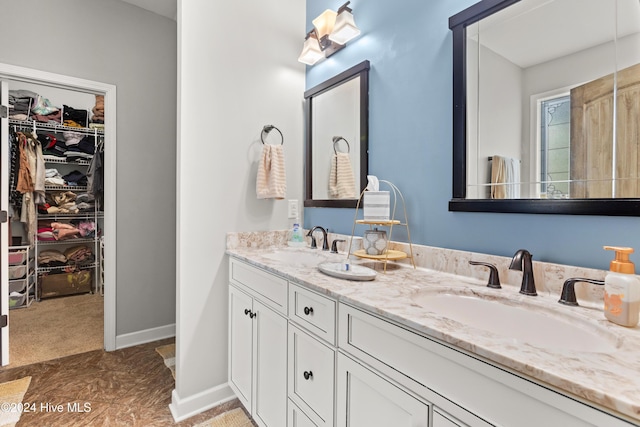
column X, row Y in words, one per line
column 524, row 73
column 337, row 139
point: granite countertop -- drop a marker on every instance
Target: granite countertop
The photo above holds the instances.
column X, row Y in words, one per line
column 610, row 380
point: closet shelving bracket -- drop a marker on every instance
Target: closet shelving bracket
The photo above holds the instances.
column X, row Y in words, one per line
column 389, row 254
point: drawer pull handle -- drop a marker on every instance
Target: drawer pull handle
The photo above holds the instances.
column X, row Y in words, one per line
column 252, row 315
column 308, row 310
column 308, row 375
column 247, row 311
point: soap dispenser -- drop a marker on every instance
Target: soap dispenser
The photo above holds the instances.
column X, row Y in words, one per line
column 621, row 289
column 297, row 237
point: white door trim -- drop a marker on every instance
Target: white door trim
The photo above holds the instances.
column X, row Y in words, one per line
column 4, row 227
column 13, row 72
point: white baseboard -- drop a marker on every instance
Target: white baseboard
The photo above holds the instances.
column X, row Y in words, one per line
column 145, row 336
column 181, row 409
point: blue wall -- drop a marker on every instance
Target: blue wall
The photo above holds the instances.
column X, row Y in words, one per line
column 409, row 46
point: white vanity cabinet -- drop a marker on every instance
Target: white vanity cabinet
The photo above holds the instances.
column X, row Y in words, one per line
column 312, row 355
column 467, row 389
column 364, row 398
column 258, row 342
column 298, row 358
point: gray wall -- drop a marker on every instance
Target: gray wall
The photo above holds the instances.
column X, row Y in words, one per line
column 113, row 42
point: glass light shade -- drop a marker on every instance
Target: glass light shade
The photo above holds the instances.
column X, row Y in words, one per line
column 324, row 23
column 345, row 28
column 311, row 52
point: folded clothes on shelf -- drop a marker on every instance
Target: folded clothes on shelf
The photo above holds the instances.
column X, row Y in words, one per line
column 45, row 234
column 72, row 138
column 78, row 116
column 58, row 202
column 51, row 258
column 63, row 231
column 53, row 177
column 75, row 178
column 79, row 254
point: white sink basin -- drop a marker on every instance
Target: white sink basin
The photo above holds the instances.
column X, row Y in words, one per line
column 301, row 257
column 525, row 323
column 355, row 272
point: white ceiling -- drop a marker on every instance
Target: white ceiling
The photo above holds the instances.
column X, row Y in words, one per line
column 166, row 8
column 534, row 31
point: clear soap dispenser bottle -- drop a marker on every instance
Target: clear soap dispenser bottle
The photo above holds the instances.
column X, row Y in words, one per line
column 621, row 289
column 297, row 237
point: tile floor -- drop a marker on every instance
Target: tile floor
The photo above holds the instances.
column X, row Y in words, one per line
column 128, row 387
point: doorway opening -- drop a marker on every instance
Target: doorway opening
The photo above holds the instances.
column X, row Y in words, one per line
column 67, row 315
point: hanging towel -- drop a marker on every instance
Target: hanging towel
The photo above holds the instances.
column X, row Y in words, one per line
column 513, row 178
column 505, row 178
column 341, row 181
column 271, row 182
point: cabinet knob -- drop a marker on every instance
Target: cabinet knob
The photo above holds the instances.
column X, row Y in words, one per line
column 308, row 310
column 247, row 311
column 308, row 375
column 252, row 315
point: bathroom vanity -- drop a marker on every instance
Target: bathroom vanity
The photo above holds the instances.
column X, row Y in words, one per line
column 306, row 349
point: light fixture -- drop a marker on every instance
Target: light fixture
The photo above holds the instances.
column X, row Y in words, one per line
column 331, row 31
column 311, row 50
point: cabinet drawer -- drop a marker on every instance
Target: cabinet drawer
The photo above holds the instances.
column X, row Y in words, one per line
column 313, row 312
column 297, row 418
column 442, row 419
column 311, row 376
column 267, row 287
column 367, row 399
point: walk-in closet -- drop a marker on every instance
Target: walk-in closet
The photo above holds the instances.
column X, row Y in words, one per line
column 55, row 159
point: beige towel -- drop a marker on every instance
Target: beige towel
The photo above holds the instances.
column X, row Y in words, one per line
column 498, row 178
column 342, row 184
column 505, row 178
column 271, row 182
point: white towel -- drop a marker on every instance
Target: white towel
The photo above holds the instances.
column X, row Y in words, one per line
column 342, row 184
column 271, row 182
column 513, row 178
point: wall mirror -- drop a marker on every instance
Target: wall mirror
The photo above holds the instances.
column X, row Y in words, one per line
column 337, row 133
column 547, row 107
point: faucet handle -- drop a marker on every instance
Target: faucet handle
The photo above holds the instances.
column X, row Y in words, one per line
column 568, row 295
column 494, row 278
column 334, row 245
column 314, row 245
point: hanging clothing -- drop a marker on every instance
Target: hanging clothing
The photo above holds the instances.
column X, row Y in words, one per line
column 25, row 183
column 15, row 197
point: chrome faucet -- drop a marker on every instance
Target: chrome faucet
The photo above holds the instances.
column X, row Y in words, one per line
column 325, row 243
column 522, row 262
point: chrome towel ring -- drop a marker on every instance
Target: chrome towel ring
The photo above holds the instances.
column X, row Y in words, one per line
column 337, row 139
column 268, row 128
